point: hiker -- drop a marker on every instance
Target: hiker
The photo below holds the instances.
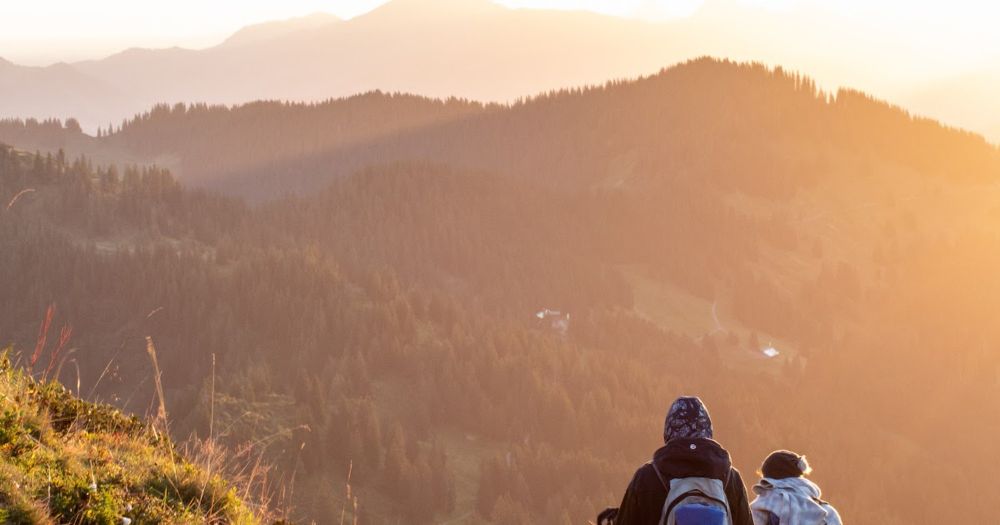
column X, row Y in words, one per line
column 786, row 497
column 690, row 479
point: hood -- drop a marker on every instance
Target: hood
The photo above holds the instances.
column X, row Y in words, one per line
column 800, row 486
column 687, row 418
column 698, row 457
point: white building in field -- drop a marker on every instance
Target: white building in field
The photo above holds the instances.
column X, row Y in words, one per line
column 553, row 319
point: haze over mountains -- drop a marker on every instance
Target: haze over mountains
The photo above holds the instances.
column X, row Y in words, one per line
column 483, row 51
column 685, row 219
column 351, row 281
column 617, row 135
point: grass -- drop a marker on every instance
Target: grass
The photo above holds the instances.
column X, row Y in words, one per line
column 64, row 460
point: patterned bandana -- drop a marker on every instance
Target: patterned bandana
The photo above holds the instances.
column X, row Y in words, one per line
column 688, row 418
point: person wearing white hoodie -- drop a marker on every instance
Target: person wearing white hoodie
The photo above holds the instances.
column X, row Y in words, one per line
column 786, row 497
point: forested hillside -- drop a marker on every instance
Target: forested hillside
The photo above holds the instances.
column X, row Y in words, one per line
column 215, row 142
column 742, row 126
column 383, row 317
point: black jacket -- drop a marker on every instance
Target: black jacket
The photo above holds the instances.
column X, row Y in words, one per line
column 644, row 498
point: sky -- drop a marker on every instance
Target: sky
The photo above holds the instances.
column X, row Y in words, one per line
column 41, row 32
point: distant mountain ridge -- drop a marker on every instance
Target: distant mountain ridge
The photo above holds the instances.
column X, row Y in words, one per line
column 400, row 46
column 622, row 134
column 469, row 49
column 269, row 30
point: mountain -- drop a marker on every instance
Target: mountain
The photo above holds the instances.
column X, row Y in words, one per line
column 407, row 47
column 621, row 134
column 61, row 90
column 270, row 30
column 374, row 309
column 479, row 50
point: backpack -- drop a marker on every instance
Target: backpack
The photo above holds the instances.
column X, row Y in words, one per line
column 694, row 501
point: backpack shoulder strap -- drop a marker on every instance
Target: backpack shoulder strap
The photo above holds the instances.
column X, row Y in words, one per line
column 659, row 475
column 666, row 488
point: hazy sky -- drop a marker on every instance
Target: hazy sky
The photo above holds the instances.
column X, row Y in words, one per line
column 42, row 31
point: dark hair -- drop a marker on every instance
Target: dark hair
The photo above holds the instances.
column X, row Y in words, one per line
column 782, row 464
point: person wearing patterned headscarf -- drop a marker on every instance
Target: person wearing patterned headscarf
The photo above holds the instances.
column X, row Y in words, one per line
column 689, row 450
column 688, row 418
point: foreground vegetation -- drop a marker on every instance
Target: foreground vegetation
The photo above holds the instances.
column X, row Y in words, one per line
column 64, row 460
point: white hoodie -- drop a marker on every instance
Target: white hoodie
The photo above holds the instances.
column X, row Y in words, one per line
column 794, row 501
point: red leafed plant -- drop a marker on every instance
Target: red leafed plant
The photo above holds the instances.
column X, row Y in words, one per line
column 43, row 332
column 64, row 334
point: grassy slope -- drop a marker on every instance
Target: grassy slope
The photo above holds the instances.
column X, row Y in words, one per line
column 63, row 460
